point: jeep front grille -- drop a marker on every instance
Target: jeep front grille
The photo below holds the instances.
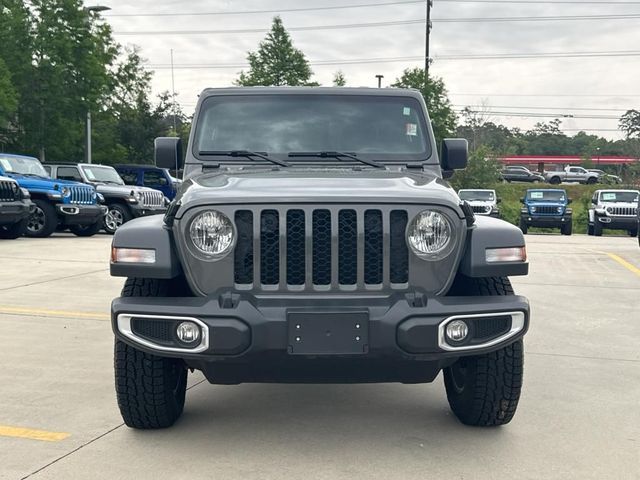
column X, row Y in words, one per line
column 82, row 195
column 622, row 211
column 547, row 210
column 9, row 191
column 152, row 199
column 481, row 209
column 322, row 248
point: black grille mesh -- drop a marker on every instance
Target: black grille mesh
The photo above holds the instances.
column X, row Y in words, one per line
column 485, row 328
column 295, row 247
column 373, row 247
column 348, row 247
column 321, row 247
column 8, row 192
column 243, row 261
column 399, row 261
column 159, row 331
column 269, row 248
column 547, row 210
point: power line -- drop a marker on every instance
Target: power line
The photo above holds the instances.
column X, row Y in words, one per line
column 603, row 95
column 419, row 21
column 544, row 115
column 369, row 5
column 594, row 109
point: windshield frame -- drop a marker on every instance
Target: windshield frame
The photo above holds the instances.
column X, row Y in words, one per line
column 474, row 191
column 101, row 167
column 392, row 158
column 556, row 200
column 601, row 199
column 32, row 160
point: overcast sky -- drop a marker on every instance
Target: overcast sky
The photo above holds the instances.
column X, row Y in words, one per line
column 610, row 85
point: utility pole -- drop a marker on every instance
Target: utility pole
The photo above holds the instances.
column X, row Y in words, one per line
column 173, row 93
column 427, row 60
column 379, row 77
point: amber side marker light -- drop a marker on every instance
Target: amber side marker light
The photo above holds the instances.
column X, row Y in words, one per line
column 512, row 254
column 132, row 255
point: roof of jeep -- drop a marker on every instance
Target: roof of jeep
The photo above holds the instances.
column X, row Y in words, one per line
column 382, row 92
column 615, row 190
column 546, row 190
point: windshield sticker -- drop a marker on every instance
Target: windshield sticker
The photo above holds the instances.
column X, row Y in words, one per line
column 537, row 195
column 412, row 129
column 5, row 164
column 89, row 174
column 608, row 197
column 406, row 111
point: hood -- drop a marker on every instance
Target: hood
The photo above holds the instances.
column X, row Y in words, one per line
column 34, row 183
column 124, row 190
column 481, row 203
column 620, row 204
column 328, row 185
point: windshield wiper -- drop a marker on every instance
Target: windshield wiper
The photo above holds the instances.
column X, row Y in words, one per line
column 245, row 154
column 338, row 155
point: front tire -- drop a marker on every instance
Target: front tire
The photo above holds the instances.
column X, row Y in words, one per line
column 523, row 226
column 117, row 215
column 566, row 229
column 150, row 389
column 13, row 231
column 43, row 221
column 590, row 229
column 597, row 228
column 484, row 390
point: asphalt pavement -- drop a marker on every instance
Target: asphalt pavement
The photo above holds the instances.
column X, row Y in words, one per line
column 578, row 418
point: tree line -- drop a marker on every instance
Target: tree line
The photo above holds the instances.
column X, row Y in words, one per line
column 59, row 62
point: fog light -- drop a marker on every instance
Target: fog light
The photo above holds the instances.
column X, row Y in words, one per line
column 188, row 332
column 457, row 330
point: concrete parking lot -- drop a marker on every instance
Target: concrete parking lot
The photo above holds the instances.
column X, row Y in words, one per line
column 579, row 416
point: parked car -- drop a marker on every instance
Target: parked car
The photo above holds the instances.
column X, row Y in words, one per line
column 571, row 174
column 483, row 202
column 150, row 176
column 547, row 208
column 123, row 202
column 606, row 178
column 294, row 261
column 15, row 208
column 520, row 174
column 614, row 210
column 58, row 203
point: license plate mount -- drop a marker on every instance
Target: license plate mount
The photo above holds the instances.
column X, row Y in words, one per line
column 328, row 333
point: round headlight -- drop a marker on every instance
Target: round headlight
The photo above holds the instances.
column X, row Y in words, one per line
column 559, row 209
column 65, row 192
column 211, row 233
column 430, row 235
column 533, row 209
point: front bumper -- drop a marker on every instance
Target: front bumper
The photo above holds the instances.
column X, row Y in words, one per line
column 138, row 210
column 547, row 221
column 72, row 214
column 14, row 212
column 618, row 223
column 365, row 339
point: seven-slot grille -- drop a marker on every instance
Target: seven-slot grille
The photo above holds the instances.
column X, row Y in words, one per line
column 547, row 210
column 152, row 199
column 82, row 195
column 9, row 191
column 321, row 248
column 481, row 209
column 623, row 211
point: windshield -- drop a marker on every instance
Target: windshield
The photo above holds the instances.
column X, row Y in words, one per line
column 374, row 127
column 23, row 166
column 546, row 195
column 484, row 195
column 625, row 197
column 102, row 174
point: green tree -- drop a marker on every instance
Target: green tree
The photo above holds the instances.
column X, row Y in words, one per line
column 339, row 79
column 436, row 97
column 483, row 171
column 630, row 123
column 277, row 62
column 8, row 98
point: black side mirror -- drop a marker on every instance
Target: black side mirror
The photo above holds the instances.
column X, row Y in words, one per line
column 498, row 200
column 521, row 199
column 569, row 201
column 168, row 152
column 455, row 153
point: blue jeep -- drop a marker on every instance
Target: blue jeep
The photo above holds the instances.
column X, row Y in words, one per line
column 546, row 208
column 58, row 203
column 150, row 176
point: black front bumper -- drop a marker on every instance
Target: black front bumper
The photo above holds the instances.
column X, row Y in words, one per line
column 366, row 339
column 138, row 210
column 14, row 212
column 73, row 214
column 618, row 223
column 547, row 221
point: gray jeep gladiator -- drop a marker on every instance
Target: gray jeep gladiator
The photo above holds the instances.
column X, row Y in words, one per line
column 316, row 240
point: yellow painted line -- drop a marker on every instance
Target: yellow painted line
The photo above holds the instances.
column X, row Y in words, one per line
column 31, row 434
column 624, row 263
column 55, row 313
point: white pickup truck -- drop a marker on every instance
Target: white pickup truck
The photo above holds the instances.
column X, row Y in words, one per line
column 571, row 174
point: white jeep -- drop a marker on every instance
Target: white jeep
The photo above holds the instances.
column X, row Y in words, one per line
column 614, row 210
column 483, row 202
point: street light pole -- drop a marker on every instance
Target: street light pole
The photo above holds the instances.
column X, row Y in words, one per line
column 379, row 77
column 94, row 9
column 427, row 60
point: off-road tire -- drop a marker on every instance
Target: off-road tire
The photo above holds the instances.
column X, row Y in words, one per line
column 523, row 226
column 592, row 180
column 86, row 230
column 44, row 218
column 120, row 215
column 13, row 231
column 633, row 233
column 597, row 228
column 590, row 229
column 484, row 390
column 150, row 389
column 555, row 181
column 566, row 229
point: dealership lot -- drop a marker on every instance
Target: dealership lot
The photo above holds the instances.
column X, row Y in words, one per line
column 578, row 417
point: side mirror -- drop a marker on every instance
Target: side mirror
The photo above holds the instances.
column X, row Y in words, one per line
column 521, row 199
column 569, row 201
column 168, row 152
column 455, row 153
column 498, row 200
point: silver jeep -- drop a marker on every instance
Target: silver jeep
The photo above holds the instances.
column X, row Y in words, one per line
column 614, row 210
